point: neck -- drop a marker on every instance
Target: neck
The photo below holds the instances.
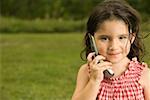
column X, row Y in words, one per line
column 120, row 67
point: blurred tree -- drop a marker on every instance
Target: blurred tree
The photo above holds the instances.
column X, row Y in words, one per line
column 56, row 9
column 140, row 5
column 68, row 9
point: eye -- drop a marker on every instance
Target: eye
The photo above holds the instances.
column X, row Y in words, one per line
column 122, row 37
column 104, row 38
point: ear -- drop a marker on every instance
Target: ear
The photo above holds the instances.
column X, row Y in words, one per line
column 133, row 35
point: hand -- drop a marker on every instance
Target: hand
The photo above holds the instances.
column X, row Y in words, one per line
column 97, row 66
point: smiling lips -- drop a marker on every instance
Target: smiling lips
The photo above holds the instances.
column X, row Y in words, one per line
column 113, row 54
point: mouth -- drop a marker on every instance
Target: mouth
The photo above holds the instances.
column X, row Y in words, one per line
column 114, row 54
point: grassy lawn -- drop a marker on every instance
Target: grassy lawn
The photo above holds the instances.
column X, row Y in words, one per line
column 41, row 66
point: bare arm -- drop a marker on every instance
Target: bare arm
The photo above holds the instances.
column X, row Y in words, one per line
column 86, row 89
column 145, row 81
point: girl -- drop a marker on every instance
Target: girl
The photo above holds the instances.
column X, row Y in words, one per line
column 115, row 27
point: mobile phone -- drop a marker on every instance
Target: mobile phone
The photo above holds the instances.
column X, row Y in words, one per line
column 108, row 73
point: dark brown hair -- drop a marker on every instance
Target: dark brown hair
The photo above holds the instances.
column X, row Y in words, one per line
column 120, row 10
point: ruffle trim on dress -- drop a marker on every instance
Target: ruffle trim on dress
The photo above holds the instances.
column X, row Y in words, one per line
column 133, row 72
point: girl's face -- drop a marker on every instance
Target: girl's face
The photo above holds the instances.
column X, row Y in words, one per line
column 113, row 40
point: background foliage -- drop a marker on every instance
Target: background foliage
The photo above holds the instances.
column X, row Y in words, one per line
column 68, row 9
column 48, row 16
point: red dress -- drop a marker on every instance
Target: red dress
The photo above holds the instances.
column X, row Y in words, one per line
column 125, row 87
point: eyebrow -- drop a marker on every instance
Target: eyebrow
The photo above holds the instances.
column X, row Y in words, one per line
column 111, row 35
column 124, row 35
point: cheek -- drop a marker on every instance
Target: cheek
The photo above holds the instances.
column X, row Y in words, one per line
column 127, row 48
column 102, row 50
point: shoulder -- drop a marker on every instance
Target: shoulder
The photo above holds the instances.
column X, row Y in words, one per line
column 146, row 73
column 145, row 77
column 82, row 78
column 83, row 74
column 145, row 80
column 83, row 71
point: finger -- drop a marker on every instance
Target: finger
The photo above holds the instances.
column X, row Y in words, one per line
column 102, row 68
column 105, row 63
column 96, row 63
column 89, row 60
column 105, row 67
column 100, row 57
column 90, row 55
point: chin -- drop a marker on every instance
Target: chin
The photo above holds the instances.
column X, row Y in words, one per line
column 114, row 60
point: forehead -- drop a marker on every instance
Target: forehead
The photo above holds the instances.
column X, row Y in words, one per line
column 112, row 27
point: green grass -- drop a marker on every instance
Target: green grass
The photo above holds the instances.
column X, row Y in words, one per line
column 41, row 66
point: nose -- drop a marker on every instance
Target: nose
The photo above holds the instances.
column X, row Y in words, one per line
column 113, row 45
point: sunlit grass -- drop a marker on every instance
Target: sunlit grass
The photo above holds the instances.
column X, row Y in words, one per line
column 39, row 67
